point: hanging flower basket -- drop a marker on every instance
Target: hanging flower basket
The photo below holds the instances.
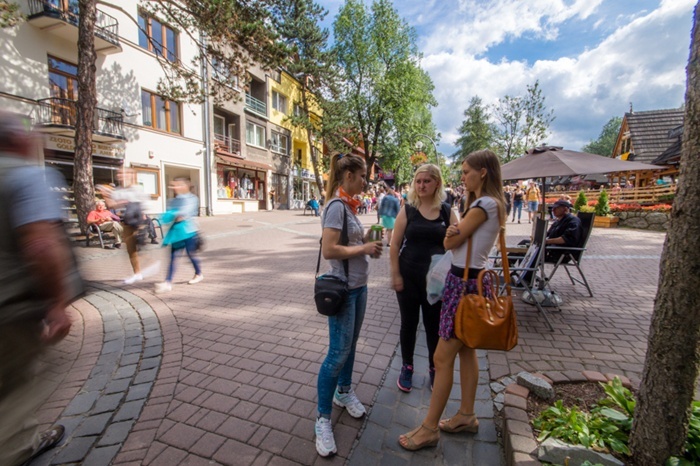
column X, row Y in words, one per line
column 419, row 158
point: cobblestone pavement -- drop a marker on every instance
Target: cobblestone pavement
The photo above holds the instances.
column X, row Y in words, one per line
column 224, row 372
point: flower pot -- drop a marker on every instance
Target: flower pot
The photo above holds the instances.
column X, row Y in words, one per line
column 606, row 222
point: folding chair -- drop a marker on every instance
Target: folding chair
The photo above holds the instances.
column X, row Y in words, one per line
column 527, row 273
column 572, row 256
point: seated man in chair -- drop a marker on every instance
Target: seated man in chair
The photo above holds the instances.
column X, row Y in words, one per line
column 106, row 221
column 566, row 231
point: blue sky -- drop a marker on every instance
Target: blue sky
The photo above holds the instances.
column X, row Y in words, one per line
column 592, row 57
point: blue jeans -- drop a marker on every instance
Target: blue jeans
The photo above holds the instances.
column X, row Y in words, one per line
column 517, row 207
column 344, row 330
column 190, row 247
column 532, row 206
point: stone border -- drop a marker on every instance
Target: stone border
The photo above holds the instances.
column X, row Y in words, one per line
column 99, row 418
column 520, row 445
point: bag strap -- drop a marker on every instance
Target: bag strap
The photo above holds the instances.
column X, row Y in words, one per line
column 344, row 240
column 501, row 246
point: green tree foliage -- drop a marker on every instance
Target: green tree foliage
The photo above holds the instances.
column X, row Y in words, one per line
column 602, row 208
column 581, row 201
column 10, row 13
column 230, row 35
column 605, row 144
column 385, row 96
column 297, row 23
column 476, row 132
column 522, row 122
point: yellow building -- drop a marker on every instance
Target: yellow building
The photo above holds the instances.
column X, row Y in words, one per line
column 285, row 100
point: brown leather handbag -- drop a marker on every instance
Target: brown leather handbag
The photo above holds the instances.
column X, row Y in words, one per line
column 487, row 323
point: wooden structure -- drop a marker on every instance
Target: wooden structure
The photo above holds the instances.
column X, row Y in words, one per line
column 644, row 137
column 646, row 195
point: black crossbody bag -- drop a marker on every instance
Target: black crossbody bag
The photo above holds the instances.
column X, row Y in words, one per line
column 330, row 291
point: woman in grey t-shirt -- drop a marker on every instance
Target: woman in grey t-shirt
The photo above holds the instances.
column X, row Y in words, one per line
column 347, row 179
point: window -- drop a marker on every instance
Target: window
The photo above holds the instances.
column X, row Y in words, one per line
column 254, row 134
column 278, row 143
column 149, row 180
column 298, row 111
column 158, row 38
column 63, row 79
column 223, row 74
column 279, row 102
column 160, row 113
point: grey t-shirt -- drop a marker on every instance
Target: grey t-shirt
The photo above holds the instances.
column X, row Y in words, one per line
column 358, row 266
column 31, row 200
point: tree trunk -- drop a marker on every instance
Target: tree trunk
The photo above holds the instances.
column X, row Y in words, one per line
column 671, row 366
column 83, row 188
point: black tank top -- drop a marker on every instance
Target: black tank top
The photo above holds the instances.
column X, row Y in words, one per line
column 424, row 238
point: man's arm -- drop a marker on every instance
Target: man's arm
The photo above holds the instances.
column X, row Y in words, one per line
column 42, row 245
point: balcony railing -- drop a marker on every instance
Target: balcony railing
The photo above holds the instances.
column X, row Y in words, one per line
column 230, row 145
column 63, row 112
column 255, row 105
column 106, row 26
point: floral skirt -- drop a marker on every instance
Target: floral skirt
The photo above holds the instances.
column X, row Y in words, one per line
column 455, row 288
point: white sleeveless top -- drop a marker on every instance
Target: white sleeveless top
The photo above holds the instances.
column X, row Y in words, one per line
column 483, row 238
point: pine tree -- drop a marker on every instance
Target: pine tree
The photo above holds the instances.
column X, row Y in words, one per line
column 602, row 208
column 581, row 201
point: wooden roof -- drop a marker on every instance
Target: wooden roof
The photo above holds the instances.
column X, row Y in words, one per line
column 649, row 131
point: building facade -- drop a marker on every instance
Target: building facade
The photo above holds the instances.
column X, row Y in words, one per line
column 249, row 155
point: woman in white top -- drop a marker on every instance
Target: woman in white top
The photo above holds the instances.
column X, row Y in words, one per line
column 481, row 175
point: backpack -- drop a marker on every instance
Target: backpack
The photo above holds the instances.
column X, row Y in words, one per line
column 133, row 215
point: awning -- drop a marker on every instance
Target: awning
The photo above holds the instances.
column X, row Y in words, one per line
column 243, row 163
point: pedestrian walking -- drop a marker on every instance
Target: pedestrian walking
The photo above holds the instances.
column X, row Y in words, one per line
column 128, row 200
column 346, row 180
column 518, row 203
column 183, row 234
column 481, row 175
column 388, row 210
column 533, row 201
column 419, row 234
column 34, row 260
column 509, row 200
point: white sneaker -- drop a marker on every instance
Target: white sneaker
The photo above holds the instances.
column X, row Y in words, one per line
column 325, row 442
column 350, row 402
column 163, row 287
column 196, row 279
column 133, row 279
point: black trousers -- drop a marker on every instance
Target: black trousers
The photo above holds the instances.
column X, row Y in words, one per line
column 413, row 300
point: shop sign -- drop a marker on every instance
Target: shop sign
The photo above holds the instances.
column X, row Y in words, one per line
column 65, row 144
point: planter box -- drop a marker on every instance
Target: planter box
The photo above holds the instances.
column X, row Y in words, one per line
column 605, row 222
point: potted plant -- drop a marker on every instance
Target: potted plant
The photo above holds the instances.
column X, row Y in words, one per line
column 603, row 217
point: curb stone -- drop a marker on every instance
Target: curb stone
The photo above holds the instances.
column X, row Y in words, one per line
column 520, row 444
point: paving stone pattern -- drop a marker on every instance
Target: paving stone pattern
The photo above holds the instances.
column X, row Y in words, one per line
column 100, row 416
column 224, row 372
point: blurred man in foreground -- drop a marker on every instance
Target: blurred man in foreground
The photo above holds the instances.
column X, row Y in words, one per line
column 34, row 257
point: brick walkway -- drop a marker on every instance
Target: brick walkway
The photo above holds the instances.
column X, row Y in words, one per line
column 227, row 368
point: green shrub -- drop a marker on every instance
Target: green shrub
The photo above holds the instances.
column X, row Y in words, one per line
column 602, row 208
column 587, row 208
column 581, row 200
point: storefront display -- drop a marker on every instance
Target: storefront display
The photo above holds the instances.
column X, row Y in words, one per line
column 240, row 183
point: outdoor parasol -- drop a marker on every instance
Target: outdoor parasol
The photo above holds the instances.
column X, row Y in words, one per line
column 545, row 161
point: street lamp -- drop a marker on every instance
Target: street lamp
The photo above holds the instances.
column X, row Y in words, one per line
column 419, row 147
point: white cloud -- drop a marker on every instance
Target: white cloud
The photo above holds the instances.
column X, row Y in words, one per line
column 642, row 61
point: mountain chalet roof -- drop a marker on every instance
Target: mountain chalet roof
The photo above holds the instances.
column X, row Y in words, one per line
column 649, row 131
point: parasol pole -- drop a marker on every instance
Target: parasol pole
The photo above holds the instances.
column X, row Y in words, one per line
column 544, row 197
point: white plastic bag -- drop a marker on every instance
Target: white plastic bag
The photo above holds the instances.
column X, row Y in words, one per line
column 437, row 274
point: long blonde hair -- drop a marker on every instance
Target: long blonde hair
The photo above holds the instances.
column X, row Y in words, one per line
column 434, row 172
column 492, row 185
column 341, row 163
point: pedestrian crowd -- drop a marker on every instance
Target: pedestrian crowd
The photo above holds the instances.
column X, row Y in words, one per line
column 419, row 222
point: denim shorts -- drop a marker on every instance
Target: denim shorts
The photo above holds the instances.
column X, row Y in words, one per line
column 532, row 205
